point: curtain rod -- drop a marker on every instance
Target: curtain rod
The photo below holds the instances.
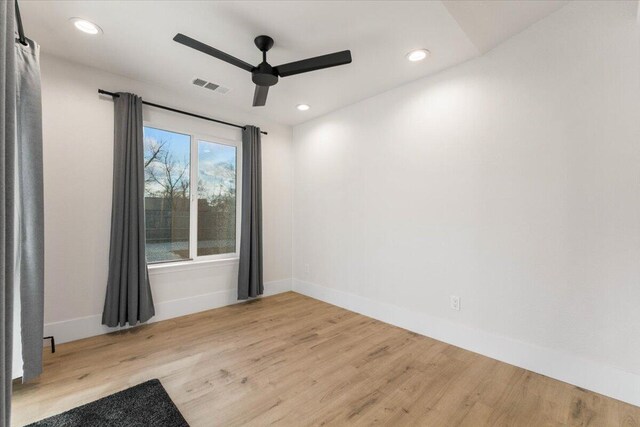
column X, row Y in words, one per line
column 186, row 113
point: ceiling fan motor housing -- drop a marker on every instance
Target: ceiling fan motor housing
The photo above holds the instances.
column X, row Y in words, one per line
column 264, row 74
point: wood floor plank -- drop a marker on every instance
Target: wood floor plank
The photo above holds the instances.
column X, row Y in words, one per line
column 290, row 360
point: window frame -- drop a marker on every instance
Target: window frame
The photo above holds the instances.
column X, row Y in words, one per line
column 196, row 137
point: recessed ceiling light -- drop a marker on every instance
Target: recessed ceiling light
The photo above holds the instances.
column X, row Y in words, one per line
column 417, row 55
column 302, row 107
column 86, row 26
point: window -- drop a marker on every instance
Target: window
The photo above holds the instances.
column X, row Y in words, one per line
column 216, row 198
column 191, row 200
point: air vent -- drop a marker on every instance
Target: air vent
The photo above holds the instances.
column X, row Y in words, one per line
column 211, row 86
column 199, row 82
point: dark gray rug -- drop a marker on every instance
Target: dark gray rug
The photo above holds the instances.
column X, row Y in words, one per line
column 146, row 404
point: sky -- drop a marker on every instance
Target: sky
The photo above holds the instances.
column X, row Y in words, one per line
column 217, row 162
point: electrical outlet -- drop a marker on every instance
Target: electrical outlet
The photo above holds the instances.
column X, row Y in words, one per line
column 307, row 271
column 455, row 302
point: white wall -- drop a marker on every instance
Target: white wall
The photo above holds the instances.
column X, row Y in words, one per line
column 78, row 162
column 511, row 181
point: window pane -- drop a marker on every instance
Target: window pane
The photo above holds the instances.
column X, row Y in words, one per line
column 166, row 194
column 216, row 198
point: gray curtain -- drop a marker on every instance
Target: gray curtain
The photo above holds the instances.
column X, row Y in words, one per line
column 7, row 202
column 128, row 298
column 31, row 208
column 21, row 205
column 250, row 281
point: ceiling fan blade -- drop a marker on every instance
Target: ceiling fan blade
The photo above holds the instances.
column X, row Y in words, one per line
column 204, row 48
column 316, row 63
column 260, row 96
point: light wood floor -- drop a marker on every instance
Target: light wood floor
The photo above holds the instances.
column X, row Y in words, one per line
column 291, row 360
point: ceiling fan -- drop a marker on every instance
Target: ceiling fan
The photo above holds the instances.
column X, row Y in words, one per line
column 264, row 75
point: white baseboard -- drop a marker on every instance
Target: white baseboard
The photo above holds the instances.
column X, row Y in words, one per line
column 89, row 326
column 604, row 379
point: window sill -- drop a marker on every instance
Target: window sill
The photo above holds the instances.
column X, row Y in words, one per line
column 172, row 267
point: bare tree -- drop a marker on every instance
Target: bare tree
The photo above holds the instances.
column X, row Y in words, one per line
column 224, row 186
column 170, row 177
column 152, row 149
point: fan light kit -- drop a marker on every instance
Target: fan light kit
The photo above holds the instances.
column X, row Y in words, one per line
column 302, row 107
column 417, row 55
column 86, row 26
column 264, row 75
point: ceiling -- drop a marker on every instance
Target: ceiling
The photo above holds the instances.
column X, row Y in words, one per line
column 489, row 23
column 137, row 43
